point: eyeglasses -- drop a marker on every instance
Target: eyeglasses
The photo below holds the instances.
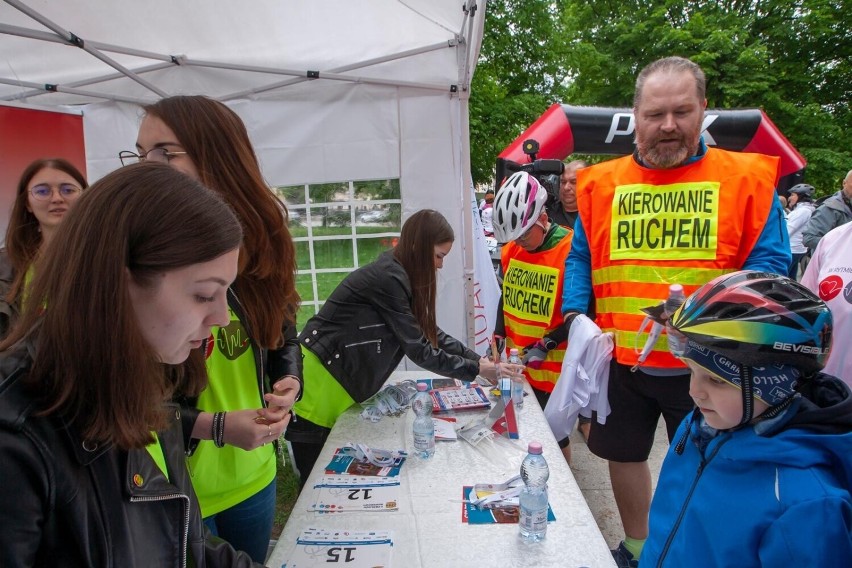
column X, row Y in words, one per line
column 159, row 154
column 528, row 233
column 44, row 192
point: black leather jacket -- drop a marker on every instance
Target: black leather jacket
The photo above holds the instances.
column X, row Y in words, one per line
column 66, row 502
column 270, row 365
column 8, row 312
column 366, row 326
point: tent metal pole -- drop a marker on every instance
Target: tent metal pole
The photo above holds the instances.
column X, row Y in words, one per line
column 42, row 89
column 81, row 43
column 53, row 37
column 465, row 75
column 90, row 81
column 31, row 34
column 302, row 77
column 336, row 77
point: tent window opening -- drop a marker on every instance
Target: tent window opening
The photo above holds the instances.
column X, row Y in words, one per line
column 338, row 227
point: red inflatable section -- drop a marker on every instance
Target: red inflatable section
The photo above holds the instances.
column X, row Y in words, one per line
column 565, row 129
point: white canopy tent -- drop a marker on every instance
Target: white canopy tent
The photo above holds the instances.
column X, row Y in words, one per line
column 330, row 91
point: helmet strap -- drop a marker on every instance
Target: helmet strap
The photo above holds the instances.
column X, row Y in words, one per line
column 748, row 394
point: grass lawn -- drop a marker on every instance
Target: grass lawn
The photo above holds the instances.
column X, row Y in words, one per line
column 287, row 491
column 333, row 254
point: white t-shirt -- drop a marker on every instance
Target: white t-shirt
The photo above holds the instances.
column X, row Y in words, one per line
column 829, row 275
column 487, row 214
column 797, row 220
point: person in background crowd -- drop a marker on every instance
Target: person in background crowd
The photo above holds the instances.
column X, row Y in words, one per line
column 94, row 469
column 760, row 474
column 784, row 203
column 675, row 212
column 528, row 315
column 486, row 213
column 801, row 209
column 47, row 190
column 834, row 211
column 564, row 212
column 253, row 361
column 829, row 275
column 376, row 315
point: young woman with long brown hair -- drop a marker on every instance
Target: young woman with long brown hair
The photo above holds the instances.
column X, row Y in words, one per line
column 253, row 363
column 94, row 466
column 47, row 190
column 376, row 315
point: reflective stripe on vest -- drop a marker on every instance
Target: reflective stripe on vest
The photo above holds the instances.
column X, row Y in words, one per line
column 532, row 302
column 651, row 228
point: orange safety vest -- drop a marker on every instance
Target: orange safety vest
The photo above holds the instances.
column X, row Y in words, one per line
column 649, row 228
column 532, row 302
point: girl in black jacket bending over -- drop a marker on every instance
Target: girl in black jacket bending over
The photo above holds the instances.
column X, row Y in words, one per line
column 378, row 314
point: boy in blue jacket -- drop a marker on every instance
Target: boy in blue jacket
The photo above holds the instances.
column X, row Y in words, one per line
column 761, row 471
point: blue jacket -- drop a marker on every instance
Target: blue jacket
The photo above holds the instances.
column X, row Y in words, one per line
column 773, row 494
column 771, row 253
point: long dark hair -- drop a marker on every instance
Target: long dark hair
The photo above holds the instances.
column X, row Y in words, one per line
column 23, row 237
column 93, row 366
column 216, row 140
column 415, row 251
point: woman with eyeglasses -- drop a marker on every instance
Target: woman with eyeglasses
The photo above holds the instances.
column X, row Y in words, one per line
column 254, row 363
column 47, row 190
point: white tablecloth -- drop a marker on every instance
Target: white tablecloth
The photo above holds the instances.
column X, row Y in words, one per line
column 427, row 528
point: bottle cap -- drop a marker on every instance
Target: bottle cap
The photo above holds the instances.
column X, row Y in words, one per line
column 534, row 448
column 422, row 387
column 675, row 289
column 513, row 351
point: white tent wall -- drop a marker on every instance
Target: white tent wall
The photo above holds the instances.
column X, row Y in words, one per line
column 381, row 114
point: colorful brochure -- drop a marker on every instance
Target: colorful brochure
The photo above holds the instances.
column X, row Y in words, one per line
column 343, row 464
column 470, row 398
column 474, row 515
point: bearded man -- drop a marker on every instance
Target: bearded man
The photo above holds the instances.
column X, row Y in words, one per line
column 675, row 212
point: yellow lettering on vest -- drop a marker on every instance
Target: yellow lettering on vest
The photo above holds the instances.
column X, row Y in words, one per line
column 529, row 291
column 665, row 222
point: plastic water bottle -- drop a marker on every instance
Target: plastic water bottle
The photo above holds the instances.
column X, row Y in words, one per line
column 517, row 381
column 424, row 428
column 533, row 498
column 677, row 342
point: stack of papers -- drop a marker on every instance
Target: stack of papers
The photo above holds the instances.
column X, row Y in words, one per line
column 354, row 549
column 348, row 493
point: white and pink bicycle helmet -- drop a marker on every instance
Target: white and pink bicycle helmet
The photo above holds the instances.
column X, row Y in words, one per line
column 518, row 205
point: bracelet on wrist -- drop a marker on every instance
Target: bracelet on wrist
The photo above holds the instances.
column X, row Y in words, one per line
column 218, row 434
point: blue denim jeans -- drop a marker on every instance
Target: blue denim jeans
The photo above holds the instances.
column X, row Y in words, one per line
column 247, row 525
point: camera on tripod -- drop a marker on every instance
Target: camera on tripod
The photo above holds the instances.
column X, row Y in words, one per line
column 547, row 172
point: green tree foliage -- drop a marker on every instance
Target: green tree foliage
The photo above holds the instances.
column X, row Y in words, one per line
column 791, row 58
column 519, row 74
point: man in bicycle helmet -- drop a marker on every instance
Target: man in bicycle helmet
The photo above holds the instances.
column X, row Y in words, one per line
column 532, row 261
column 760, row 473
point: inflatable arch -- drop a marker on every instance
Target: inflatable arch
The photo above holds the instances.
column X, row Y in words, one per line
column 565, row 129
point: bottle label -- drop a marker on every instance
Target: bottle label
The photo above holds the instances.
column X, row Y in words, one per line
column 424, row 441
column 533, row 521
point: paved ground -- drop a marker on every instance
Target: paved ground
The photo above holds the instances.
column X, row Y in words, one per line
column 592, row 476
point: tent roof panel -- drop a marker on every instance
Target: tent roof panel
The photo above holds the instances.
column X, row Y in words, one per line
column 298, row 35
